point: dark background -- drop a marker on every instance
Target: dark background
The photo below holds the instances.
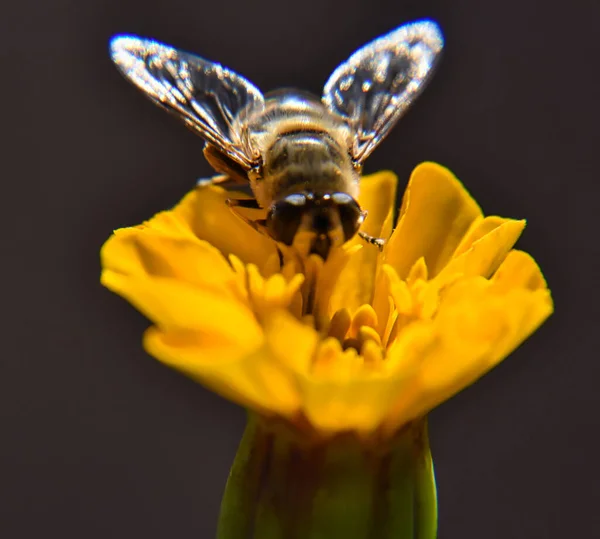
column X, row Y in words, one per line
column 99, row 440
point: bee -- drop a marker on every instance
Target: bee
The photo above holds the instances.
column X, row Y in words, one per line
column 300, row 155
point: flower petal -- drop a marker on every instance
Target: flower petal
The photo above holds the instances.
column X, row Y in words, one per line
column 174, row 304
column 519, row 269
column 147, row 252
column 343, row 290
column 476, row 327
column 377, row 198
column 355, row 397
column 252, row 378
column 382, row 296
column 485, row 255
column 478, row 229
column 290, row 341
column 204, row 211
column 360, row 403
column 436, row 213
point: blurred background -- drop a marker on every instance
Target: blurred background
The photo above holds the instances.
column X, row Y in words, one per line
column 99, row 440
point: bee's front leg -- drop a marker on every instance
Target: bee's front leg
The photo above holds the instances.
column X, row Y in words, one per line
column 250, row 212
column 222, row 180
column 249, row 203
column 228, row 183
column 379, row 242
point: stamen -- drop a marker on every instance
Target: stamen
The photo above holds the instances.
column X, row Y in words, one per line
column 429, row 301
column 312, row 268
column 241, row 277
column 256, row 283
column 340, row 324
column 366, row 333
column 289, row 270
column 295, row 306
column 417, row 272
column 272, row 266
column 274, row 288
column 403, row 299
column 351, row 363
column 308, row 320
column 395, row 327
column 237, row 264
column 294, row 298
column 372, row 354
column 390, row 322
column 351, row 343
column 327, row 356
column 364, row 316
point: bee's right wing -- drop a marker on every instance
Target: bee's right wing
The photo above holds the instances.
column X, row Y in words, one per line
column 378, row 83
column 206, row 96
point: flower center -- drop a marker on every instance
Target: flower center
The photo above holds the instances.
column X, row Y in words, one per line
column 360, row 339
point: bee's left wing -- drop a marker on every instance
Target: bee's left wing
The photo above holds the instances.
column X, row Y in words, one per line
column 205, row 96
column 378, row 83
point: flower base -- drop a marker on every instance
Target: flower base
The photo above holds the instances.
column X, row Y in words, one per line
column 283, row 487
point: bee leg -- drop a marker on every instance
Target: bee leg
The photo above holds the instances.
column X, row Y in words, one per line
column 213, row 180
column 281, row 257
column 379, row 242
column 261, row 226
column 226, row 182
column 250, row 212
column 243, row 203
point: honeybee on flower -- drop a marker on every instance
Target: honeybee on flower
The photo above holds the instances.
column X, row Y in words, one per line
column 301, row 156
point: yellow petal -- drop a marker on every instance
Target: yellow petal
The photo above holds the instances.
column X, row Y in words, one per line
column 382, row 301
column 292, row 343
column 474, row 314
column 148, row 253
column 519, row 269
column 174, row 304
column 336, row 287
column 400, row 293
column 479, row 228
column 486, row 254
column 205, row 212
column 377, row 197
column 475, row 328
column 252, row 378
column 436, row 213
column 359, row 402
column 349, row 398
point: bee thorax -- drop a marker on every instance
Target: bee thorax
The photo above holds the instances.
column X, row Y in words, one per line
column 305, row 162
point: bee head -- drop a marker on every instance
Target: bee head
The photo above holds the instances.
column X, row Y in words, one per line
column 320, row 220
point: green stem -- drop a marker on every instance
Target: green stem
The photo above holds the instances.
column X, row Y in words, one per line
column 283, row 486
column 426, row 494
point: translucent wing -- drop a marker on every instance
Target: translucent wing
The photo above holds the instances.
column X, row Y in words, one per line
column 206, row 96
column 379, row 82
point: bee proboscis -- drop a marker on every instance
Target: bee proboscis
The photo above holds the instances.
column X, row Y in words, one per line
column 301, row 155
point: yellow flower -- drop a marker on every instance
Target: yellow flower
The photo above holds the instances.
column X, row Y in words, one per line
column 366, row 341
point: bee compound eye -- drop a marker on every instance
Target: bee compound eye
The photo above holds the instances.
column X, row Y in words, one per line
column 295, row 200
column 351, row 215
column 285, row 216
column 342, row 199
